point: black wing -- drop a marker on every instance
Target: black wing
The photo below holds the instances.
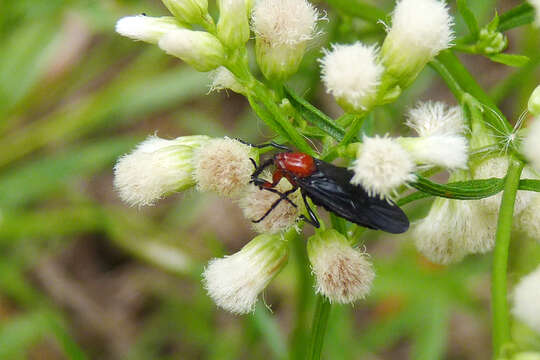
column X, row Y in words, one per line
column 329, row 186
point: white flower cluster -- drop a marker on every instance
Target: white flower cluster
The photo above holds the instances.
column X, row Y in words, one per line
column 526, row 305
column 360, row 76
column 383, row 164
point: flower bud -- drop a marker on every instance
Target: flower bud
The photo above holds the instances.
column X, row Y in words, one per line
column 435, row 118
column 282, row 29
column 491, row 41
column 156, row 168
column 526, row 305
column 530, row 146
column 342, row 274
column 449, row 151
column 255, row 203
column 536, row 6
column 146, row 28
column 420, row 30
column 382, row 165
column 534, row 102
column 351, row 73
column 223, row 79
column 222, row 166
column 188, row 11
column 233, row 24
column 199, row 49
column 235, row 281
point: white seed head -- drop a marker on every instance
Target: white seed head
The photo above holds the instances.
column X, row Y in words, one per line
column 352, row 74
column 382, row 165
column 497, row 167
column 222, row 166
column 199, row 49
column 435, row 118
column 342, row 274
column 420, row 30
column 526, row 305
column 223, row 79
column 529, row 218
column 188, row 11
column 146, row 28
column 156, row 168
column 284, row 22
column 256, row 202
column 531, row 144
column 448, row 151
column 234, row 282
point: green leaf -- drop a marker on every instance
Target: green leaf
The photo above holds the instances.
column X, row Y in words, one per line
column 315, row 116
column 518, row 16
column 529, row 185
column 469, row 18
column 513, row 60
column 462, row 190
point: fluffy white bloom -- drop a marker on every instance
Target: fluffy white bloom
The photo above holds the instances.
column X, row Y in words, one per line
column 146, row 28
column 497, row 167
column 156, row 168
column 235, row 281
column 188, row 11
column 449, row 151
column 222, row 166
column 382, row 165
column 256, row 202
column 223, row 79
column 435, row 118
column 526, row 305
column 529, row 218
column 342, row 274
column 199, row 49
column 420, row 30
column 531, row 144
column 351, row 73
column 282, row 29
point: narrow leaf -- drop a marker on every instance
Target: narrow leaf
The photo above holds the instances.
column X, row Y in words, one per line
column 529, row 185
column 462, row 190
column 518, row 16
column 513, row 60
column 469, row 18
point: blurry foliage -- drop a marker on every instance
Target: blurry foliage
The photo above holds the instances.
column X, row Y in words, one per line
column 83, row 276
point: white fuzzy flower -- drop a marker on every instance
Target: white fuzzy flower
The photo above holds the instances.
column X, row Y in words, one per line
column 222, row 166
column 382, row 165
column 223, row 79
column 449, row 151
column 188, row 11
column 256, row 202
column 342, row 274
column 531, row 144
column 351, row 73
column 156, row 168
column 282, row 29
column 435, row 118
column 526, row 305
column 199, row 49
column 529, row 218
column 146, row 28
column 420, row 30
column 234, row 282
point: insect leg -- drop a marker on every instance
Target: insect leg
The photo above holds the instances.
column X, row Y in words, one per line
column 260, row 169
column 312, row 218
column 280, row 193
column 283, row 196
column 270, row 144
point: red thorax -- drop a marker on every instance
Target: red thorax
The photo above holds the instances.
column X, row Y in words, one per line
column 291, row 165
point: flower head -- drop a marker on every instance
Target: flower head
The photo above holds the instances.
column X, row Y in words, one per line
column 382, row 165
column 531, row 145
column 536, row 5
column 435, row 118
column 222, row 166
column 529, row 218
column 235, row 281
column 449, row 151
column 420, row 30
column 199, row 49
column 155, row 168
column 342, row 274
column 256, row 202
column 223, row 79
column 526, row 305
column 233, row 24
column 146, row 28
column 351, row 73
column 188, row 11
column 534, row 101
column 282, row 30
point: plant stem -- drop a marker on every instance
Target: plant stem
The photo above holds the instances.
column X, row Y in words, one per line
column 501, row 328
column 320, row 320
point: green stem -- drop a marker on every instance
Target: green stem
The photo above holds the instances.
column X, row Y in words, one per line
column 353, row 130
column 320, row 321
column 359, row 9
column 501, row 321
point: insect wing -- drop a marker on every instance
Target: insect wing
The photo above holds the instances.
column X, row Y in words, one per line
column 330, row 188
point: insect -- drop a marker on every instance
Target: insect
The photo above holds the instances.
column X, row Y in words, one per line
column 328, row 186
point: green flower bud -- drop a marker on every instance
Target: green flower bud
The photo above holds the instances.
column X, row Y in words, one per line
column 491, row 42
column 233, row 24
column 534, row 102
column 188, row 11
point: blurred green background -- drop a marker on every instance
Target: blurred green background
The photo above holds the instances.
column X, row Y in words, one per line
column 83, row 276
